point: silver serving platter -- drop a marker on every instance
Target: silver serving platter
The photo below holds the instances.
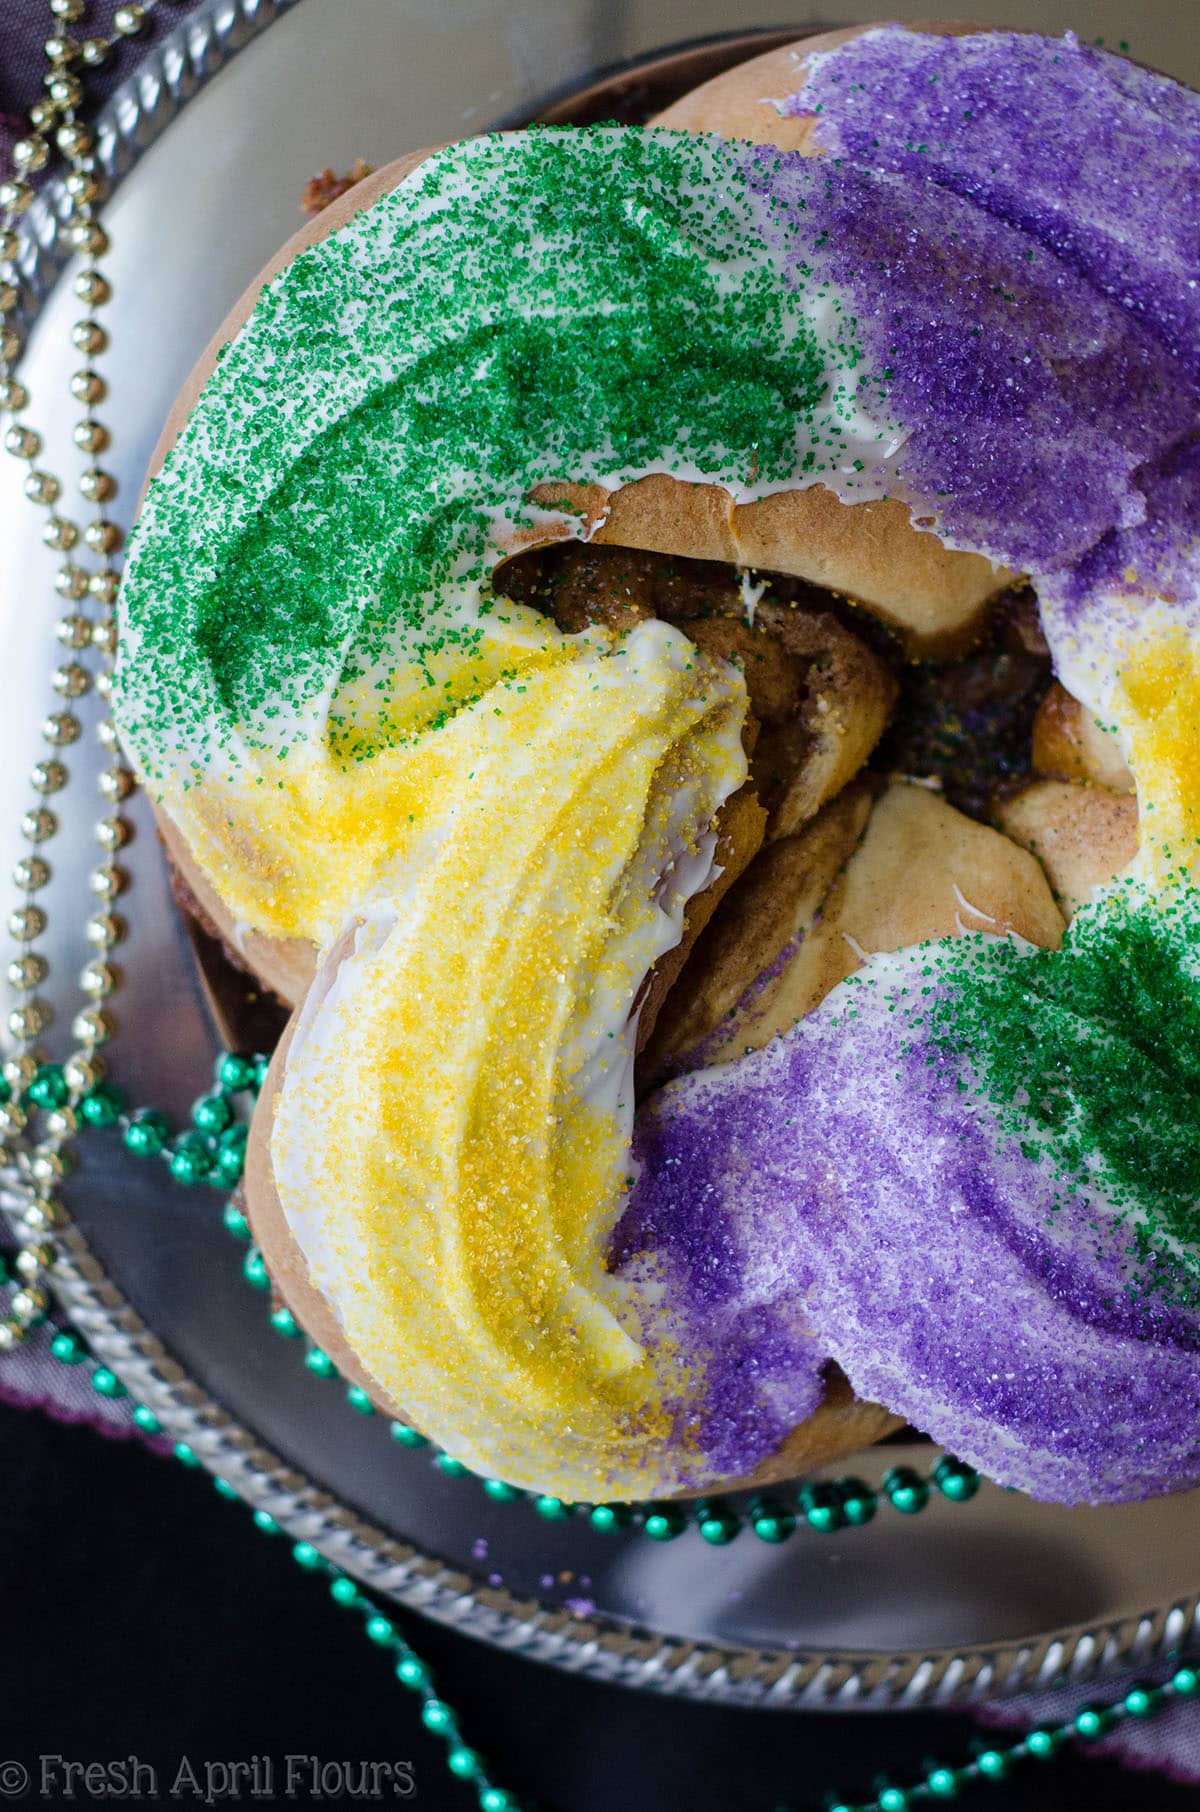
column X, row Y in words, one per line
column 958, row 1604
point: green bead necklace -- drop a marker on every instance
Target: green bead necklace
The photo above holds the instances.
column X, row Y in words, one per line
column 940, row 1782
column 69, row 1349
column 212, row 1150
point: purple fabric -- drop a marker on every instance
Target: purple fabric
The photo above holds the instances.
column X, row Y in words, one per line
column 31, row 1378
column 24, row 27
column 1167, row 1744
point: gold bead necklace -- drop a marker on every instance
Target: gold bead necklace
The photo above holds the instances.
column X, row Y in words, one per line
column 35, row 1158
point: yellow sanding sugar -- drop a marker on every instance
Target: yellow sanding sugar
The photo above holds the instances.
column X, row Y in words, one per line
column 1157, row 705
column 467, row 1081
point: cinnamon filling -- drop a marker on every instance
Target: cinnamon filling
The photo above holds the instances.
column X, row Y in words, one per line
column 835, row 708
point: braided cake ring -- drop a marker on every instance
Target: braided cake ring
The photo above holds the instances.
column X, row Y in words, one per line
column 494, row 828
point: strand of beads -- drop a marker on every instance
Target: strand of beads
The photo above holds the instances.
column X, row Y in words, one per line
column 823, row 1505
column 437, row 1716
column 212, row 1150
column 939, row 1783
column 41, row 1162
column 1093, row 1722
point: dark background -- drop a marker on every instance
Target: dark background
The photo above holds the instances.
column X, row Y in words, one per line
column 145, row 1616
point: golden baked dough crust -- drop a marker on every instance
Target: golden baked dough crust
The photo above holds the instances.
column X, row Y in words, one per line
column 869, row 552
column 1069, row 744
column 878, row 870
column 1082, row 835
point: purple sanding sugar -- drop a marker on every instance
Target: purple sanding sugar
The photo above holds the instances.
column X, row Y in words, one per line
column 1164, row 549
column 861, row 1176
column 738, row 1332
column 1091, row 156
column 1029, row 401
column 1016, row 221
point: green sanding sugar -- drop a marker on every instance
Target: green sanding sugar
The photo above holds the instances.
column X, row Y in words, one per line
column 1094, row 1055
column 524, row 309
